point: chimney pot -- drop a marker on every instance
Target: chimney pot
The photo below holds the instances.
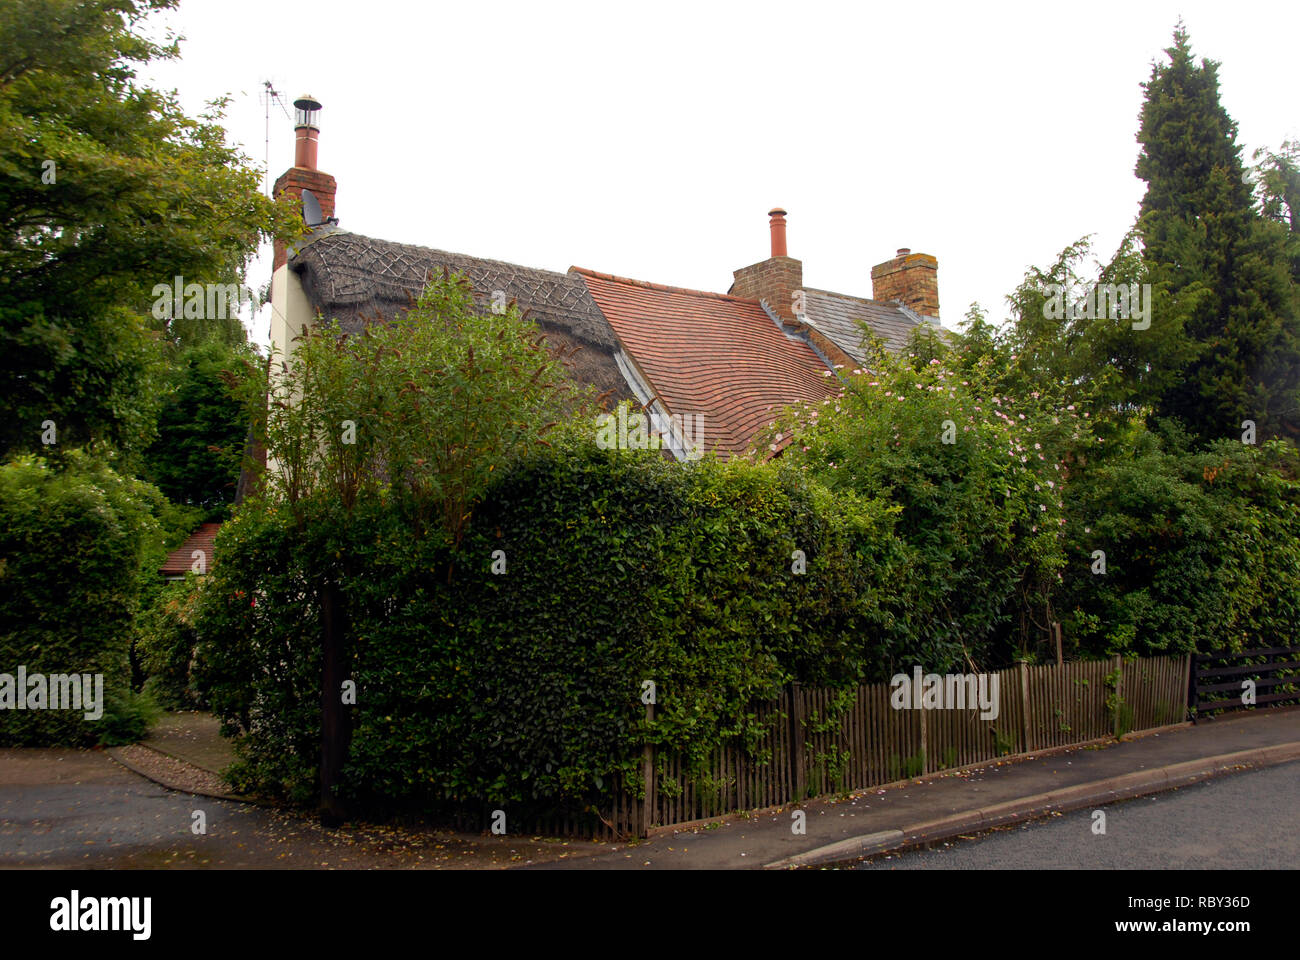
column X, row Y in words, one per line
column 904, row 251
column 305, row 109
column 306, row 131
column 777, row 225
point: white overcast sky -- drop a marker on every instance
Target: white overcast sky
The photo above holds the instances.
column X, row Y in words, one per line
column 650, row 140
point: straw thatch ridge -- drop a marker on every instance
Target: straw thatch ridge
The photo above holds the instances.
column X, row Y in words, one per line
column 358, row 280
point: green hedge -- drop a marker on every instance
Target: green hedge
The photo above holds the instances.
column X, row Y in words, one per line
column 524, row 687
column 72, row 543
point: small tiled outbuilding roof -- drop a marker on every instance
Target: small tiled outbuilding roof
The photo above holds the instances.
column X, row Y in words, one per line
column 181, row 560
column 356, row 279
column 711, row 354
column 837, row 316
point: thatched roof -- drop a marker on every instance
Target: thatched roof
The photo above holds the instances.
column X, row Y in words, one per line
column 356, row 279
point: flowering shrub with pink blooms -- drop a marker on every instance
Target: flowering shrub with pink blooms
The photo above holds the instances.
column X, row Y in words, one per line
column 978, row 478
column 1026, row 498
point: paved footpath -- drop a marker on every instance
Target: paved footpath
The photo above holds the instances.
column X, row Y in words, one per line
column 941, row 807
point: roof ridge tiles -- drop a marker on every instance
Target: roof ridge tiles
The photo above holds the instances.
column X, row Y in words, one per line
column 887, row 304
column 666, row 288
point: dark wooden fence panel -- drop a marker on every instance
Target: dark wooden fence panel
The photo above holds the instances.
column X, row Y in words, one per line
column 1217, row 678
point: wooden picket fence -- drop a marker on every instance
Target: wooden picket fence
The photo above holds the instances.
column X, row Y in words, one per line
column 810, row 748
column 820, row 742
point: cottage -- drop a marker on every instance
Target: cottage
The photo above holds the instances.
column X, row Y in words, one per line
column 724, row 361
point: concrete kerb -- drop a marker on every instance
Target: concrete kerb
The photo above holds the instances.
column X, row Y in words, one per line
column 115, row 755
column 1098, row 792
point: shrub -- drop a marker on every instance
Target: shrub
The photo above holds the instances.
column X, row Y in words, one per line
column 1202, row 548
column 977, row 478
column 71, row 546
column 165, row 643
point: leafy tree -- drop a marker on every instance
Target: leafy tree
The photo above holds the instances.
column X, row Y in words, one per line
column 107, row 189
column 1224, row 267
column 202, row 426
column 1277, row 187
column 1069, row 337
column 1048, row 349
column 436, row 400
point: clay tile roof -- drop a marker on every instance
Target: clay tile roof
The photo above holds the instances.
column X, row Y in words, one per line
column 837, row 316
column 180, row 560
column 711, row 354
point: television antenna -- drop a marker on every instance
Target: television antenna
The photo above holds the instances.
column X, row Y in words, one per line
column 268, row 96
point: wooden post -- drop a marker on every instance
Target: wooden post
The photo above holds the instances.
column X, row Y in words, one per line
column 1024, row 704
column 925, row 753
column 1119, row 685
column 1191, row 687
column 796, row 741
column 648, row 777
column 1056, row 630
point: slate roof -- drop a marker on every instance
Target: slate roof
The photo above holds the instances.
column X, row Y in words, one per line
column 180, row 560
column 711, row 354
column 356, row 279
column 836, row 316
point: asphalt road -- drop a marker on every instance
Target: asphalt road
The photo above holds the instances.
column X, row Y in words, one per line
column 1248, row 820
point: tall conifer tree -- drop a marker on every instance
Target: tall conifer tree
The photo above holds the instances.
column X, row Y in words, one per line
column 1224, row 266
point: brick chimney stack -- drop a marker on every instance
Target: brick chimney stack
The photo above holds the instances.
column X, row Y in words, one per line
column 775, row 279
column 303, row 174
column 911, row 278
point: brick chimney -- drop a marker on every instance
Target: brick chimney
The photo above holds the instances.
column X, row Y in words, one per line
column 775, row 279
column 912, row 278
column 303, row 173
